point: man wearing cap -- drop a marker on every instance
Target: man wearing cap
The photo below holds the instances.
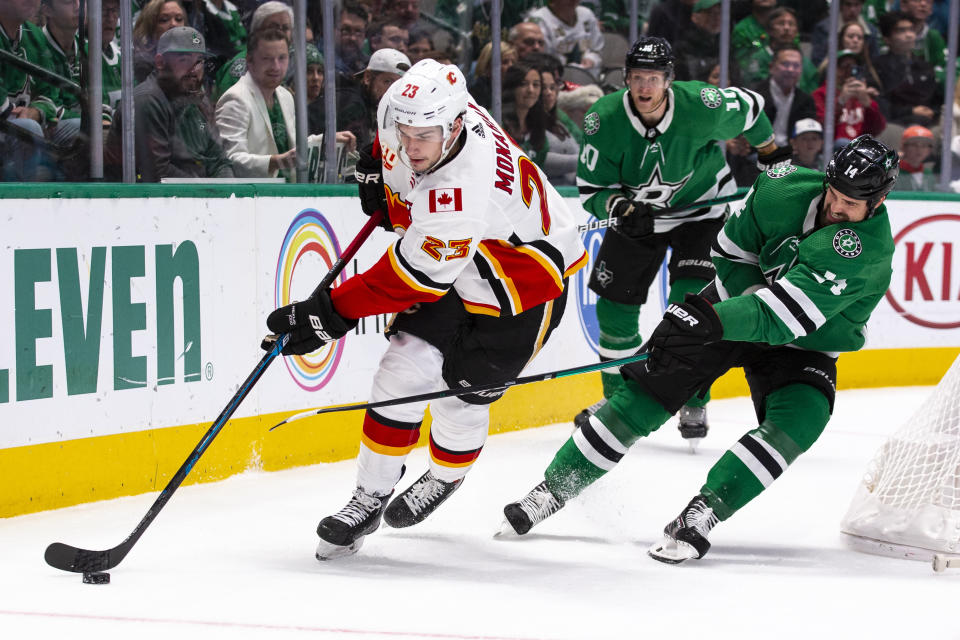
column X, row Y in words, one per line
column 174, row 133
column 316, row 113
column 698, row 47
column 916, row 168
column 358, row 103
column 784, row 102
column 807, row 143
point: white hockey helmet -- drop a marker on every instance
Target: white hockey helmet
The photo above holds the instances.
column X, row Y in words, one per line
column 429, row 94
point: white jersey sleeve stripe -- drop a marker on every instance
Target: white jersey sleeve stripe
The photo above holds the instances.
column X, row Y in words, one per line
column 724, row 247
column 781, row 311
column 801, row 298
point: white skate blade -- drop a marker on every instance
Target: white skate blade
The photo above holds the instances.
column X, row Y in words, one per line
column 506, row 531
column 672, row 551
column 694, row 443
column 327, row 551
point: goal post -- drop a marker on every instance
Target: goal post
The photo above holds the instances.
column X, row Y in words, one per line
column 908, row 504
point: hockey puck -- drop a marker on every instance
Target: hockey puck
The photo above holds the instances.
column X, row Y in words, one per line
column 96, row 578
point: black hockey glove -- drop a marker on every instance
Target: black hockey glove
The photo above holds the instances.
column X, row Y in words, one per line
column 635, row 218
column 779, row 157
column 677, row 341
column 369, row 174
column 311, row 324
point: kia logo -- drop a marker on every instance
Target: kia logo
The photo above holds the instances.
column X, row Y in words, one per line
column 926, row 281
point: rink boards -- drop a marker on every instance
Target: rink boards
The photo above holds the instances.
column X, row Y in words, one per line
column 131, row 316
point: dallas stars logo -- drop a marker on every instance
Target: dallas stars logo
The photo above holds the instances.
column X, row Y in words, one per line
column 781, row 171
column 591, row 123
column 847, row 243
column 657, row 191
column 711, row 97
column 603, row 275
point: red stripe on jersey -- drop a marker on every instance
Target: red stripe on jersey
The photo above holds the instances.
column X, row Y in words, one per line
column 398, row 435
column 379, row 289
column 530, row 279
column 481, row 308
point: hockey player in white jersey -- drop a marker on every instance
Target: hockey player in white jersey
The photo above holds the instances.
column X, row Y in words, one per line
column 478, row 279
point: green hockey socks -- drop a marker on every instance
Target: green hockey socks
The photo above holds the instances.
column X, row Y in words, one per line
column 597, row 447
column 619, row 338
column 795, row 417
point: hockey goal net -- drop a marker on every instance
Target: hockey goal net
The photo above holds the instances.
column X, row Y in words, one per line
column 908, row 504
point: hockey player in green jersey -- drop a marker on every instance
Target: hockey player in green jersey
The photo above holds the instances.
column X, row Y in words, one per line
column 651, row 146
column 800, row 268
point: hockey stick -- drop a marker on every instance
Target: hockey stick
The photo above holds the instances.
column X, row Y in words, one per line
column 613, row 222
column 68, row 558
column 446, row 393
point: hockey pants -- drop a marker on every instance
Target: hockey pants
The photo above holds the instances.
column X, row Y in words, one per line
column 411, row 366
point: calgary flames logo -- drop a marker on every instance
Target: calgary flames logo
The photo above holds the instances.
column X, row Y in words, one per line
column 452, row 78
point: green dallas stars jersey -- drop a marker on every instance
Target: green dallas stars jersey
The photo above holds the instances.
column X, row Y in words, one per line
column 21, row 89
column 674, row 163
column 67, row 65
column 782, row 280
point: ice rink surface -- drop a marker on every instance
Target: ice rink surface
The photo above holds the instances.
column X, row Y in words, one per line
column 235, row 560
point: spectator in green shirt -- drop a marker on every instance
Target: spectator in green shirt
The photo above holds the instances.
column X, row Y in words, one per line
column 749, row 34
column 781, row 30
column 25, row 103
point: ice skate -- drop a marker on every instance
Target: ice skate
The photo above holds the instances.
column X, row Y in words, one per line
column 693, row 425
column 419, row 501
column 533, row 508
column 584, row 416
column 686, row 536
column 342, row 534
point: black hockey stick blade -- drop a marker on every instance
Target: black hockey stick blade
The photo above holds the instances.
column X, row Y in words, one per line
column 446, row 393
column 69, row 558
column 614, row 222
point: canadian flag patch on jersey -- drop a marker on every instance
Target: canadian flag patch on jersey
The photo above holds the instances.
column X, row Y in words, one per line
column 445, row 200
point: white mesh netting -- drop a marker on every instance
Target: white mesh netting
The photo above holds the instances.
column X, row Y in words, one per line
column 911, row 492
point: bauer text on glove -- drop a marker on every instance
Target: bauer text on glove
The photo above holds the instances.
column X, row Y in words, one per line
column 677, row 341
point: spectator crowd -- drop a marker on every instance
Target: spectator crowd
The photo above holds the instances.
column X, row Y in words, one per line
column 214, row 96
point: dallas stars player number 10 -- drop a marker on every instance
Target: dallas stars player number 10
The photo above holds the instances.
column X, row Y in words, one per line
column 651, row 146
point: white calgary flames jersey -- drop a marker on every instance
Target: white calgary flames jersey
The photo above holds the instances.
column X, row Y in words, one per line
column 486, row 224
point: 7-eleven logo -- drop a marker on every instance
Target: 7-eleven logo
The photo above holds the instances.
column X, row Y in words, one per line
column 445, row 200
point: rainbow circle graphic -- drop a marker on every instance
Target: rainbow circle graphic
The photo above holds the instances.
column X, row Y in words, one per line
column 309, row 233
